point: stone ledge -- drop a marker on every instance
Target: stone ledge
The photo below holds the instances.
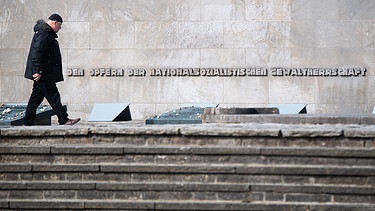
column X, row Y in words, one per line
column 263, row 206
column 61, row 185
column 149, row 186
column 64, row 168
column 86, row 150
column 188, row 186
column 50, row 204
column 195, row 169
column 119, row 205
column 307, row 170
column 25, row 149
column 290, row 119
column 224, row 130
column 180, row 205
column 316, row 189
column 45, row 131
column 188, row 150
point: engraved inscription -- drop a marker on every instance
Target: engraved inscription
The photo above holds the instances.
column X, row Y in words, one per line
column 221, row 72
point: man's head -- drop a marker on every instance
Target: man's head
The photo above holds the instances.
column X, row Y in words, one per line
column 55, row 21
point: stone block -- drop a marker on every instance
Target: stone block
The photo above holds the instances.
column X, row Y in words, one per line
column 157, row 34
column 60, row 186
column 216, row 187
column 25, row 150
column 313, row 189
column 201, row 35
column 233, row 132
column 202, row 169
column 302, row 34
column 95, row 195
column 38, row 131
column 140, row 186
column 257, row 92
column 307, row 198
column 106, row 150
column 34, row 204
column 223, row 10
column 233, row 196
column 134, row 168
column 102, row 177
column 359, row 132
column 270, row 196
column 213, row 58
column 54, row 194
column 270, row 10
column 305, row 170
column 33, row 12
column 13, row 64
column 312, row 132
column 317, row 152
column 230, row 150
column 12, row 185
column 156, row 150
column 142, row 10
column 327, row 34
column 4, row 204
column 74, row 35
column 15, row 168
column 300, row 91
column 131, row 204
column 64, row 168
column 357, row 199
column 11, row 28
column 183, row 205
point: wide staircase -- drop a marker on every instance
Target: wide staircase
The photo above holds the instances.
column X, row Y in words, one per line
column 188, row 167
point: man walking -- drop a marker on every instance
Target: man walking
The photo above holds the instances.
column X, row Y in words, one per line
column 44, row 67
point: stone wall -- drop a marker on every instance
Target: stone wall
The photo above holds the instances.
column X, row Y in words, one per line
column 142, row 36
column 189, row 167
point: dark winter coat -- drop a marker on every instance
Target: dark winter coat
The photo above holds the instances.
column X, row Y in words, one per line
column 44, row 55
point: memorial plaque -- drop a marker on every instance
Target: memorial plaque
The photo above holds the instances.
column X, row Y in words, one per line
column 240, row 111
column 13, row 114
column 183, row 115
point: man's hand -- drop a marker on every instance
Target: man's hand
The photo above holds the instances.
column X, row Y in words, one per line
column 37, row 76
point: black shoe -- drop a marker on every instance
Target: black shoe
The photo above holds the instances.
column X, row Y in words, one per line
column 72, row 121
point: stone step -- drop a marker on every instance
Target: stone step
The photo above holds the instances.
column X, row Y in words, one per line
column 189, row 186
column 88, row 149
column 339, row 136
column 186, row 159
column 87, row 154
column 188, row 178
column 177, row 205
column 205, row 167
column 249, row 169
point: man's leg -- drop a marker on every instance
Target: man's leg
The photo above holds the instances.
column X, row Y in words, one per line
column 36, row 98
column 52, row 95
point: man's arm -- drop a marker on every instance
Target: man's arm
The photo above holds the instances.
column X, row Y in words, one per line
column 38, row 55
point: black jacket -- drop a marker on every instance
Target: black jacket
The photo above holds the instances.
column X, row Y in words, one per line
column 44, row 55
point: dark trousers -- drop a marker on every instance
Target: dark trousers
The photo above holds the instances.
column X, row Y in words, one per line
column 48, row 90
